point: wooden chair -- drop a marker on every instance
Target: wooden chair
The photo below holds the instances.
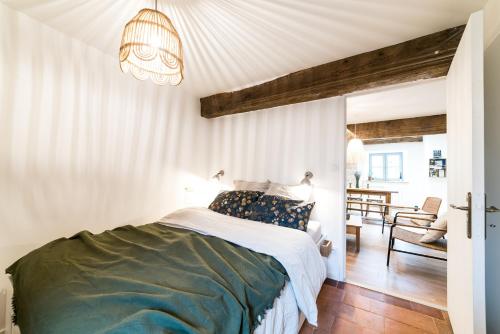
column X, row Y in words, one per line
column 349, row 205
column 376, row 199
column 423, row 217
column 407, row 233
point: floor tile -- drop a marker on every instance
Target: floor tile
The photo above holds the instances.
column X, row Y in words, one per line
column 395, row 327
column 364, row 318
column 343, row 326
column 443, row 326
column 352, row 309
column 430, row 311
column 405, row 316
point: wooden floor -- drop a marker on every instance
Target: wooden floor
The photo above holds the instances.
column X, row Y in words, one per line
column 349, row 309
column 408, row 276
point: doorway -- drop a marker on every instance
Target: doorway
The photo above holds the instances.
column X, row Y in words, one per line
column 396, row 163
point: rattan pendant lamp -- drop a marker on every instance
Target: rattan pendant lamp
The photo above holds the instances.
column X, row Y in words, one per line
column 151, row 48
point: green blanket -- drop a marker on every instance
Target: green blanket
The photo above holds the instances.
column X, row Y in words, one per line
column 146, row 279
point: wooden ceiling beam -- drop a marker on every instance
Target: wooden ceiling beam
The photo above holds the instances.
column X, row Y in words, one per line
column 421, row 58
column 400, row 128
column 417, row 139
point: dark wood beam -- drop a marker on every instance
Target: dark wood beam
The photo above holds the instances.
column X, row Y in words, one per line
column 421, row 58
column 417, row 139
column 400, row 128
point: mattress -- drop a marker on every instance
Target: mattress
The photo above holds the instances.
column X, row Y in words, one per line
column 314, row 230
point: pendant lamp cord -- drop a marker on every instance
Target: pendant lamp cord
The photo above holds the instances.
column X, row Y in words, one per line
column 156, row 5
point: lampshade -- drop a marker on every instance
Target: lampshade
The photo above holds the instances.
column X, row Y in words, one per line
column 355, row 151
column 151, row 48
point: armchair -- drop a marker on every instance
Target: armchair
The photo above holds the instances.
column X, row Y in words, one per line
column 407, row 233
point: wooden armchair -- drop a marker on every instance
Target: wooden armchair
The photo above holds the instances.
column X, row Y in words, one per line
column 407, row 233
column 423, row 217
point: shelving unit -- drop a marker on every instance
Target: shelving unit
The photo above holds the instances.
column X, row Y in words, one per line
column 437, row 167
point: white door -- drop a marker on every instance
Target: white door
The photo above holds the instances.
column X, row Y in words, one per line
column 466, row 244
column 492, row 187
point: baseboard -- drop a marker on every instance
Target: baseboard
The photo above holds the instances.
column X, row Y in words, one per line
column 398, row 295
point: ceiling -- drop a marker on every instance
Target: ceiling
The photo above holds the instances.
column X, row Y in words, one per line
column 230, row 44
column 423, row 98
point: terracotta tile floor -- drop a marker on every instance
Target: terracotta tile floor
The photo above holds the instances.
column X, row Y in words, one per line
column 350, row 309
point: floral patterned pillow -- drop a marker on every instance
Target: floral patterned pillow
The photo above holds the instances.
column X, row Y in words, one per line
column 235, row 203
column 297, row 216
column 281, row 211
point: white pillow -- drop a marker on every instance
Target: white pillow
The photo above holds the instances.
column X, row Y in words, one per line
column 433, row 235
column 301, row 192
column 251, row 186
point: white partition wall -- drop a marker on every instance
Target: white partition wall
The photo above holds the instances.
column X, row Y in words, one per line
column 280, row 144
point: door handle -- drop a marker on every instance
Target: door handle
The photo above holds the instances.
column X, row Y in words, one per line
column 467, row 208
column 492, row 209
column 463, row 208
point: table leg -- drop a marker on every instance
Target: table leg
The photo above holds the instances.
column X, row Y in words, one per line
column 388, row 198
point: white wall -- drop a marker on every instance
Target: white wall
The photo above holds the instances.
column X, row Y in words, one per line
column 417, row 184
column 492, row 161
column 82, row 145
column 280, row 144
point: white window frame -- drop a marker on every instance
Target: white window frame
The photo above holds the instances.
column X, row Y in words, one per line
column 384, row 167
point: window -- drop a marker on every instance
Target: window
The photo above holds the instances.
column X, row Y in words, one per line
column 386, row 166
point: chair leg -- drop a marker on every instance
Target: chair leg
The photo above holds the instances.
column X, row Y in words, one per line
column 390, row 247
column 383, row 218
column 389, row 252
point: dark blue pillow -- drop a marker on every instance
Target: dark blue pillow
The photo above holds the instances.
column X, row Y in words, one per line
column 235, row 203
column 297, row 216
column 281, row 211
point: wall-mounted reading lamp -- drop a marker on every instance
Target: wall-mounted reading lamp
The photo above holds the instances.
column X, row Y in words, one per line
column 307, row 178
column 219, row 175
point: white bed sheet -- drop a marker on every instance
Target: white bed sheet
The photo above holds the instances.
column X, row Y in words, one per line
column 283, row 318
column 314, row 230
column 292, row 248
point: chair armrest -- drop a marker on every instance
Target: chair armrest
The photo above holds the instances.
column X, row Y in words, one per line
column 419, row 218
column 416, row 213
column 411, row 215
column 421, row 227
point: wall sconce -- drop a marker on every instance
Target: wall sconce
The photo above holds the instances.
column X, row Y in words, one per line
column 219, row 175
column 307, row 178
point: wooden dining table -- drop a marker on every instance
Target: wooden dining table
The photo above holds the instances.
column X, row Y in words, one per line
column 376, row 192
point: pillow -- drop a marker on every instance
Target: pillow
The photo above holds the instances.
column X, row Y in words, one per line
column 301, row 192
column 432, row 235
column 281, row 211
column 297, row 216
column 252, row 186
column 234, row 203
column 267, row 209
column 420, row 221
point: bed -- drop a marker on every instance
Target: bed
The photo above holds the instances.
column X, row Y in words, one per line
column 297, row 252
column 314, row 231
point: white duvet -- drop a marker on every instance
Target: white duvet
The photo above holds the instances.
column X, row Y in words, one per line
column 294, row 249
